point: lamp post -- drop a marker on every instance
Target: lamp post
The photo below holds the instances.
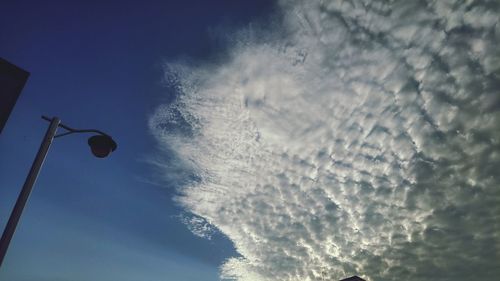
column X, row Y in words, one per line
column 101, row 146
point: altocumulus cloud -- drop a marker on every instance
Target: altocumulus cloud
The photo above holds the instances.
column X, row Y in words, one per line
column 358, row 137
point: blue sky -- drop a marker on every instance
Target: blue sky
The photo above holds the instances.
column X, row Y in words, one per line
column 257, row 141
column 99, row 65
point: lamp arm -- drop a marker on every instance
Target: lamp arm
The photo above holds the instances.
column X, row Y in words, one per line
column 73, row 131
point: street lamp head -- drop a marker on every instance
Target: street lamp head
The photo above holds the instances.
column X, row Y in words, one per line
column 101, row 145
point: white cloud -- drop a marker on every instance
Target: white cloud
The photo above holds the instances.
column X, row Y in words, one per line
column 365, row 141
column 198, row 226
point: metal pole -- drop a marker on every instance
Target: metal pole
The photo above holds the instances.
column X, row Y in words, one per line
column 27, row 187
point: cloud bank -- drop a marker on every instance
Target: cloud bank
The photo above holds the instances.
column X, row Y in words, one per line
column 360, row 137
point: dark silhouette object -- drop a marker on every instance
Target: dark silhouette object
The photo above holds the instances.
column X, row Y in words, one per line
column 12, row 80
column 353, row 278
column 101, row 146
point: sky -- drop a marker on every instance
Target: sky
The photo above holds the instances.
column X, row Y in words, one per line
column 258, row 140
column 100, row 65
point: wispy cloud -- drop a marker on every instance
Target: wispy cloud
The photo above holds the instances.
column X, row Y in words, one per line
column 362, row 138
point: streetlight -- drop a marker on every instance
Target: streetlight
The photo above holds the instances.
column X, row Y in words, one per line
column 101, row 146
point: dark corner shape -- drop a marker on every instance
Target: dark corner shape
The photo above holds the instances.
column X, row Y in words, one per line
column 353, row 278
column 12, row 80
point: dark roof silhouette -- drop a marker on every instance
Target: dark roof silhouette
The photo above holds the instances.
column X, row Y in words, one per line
column 354, row 278
column 12, row 80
